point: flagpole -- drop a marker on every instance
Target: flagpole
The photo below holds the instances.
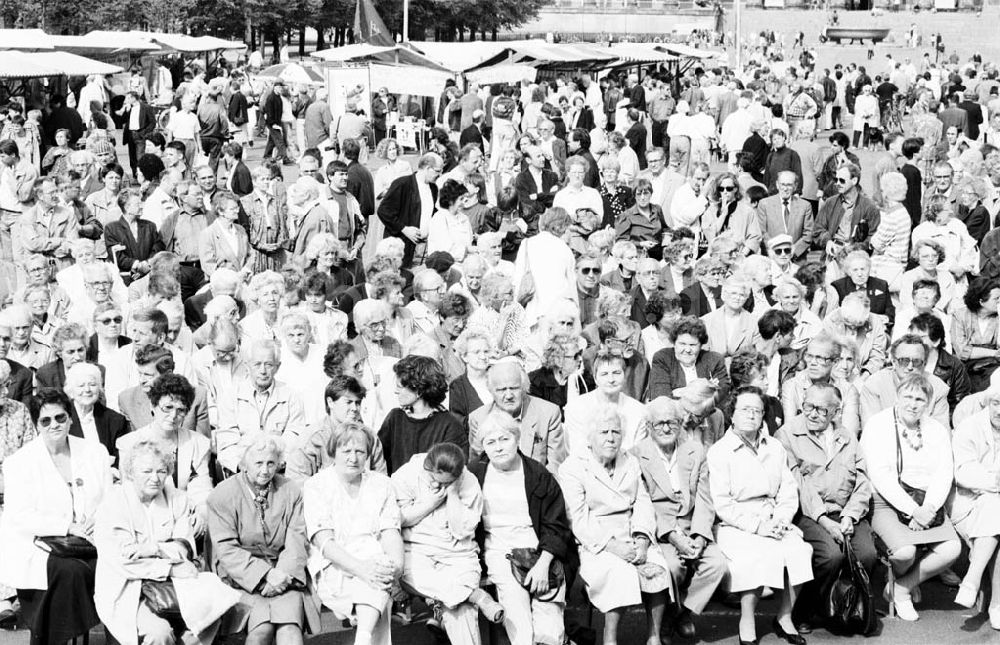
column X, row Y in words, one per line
column 406, row 21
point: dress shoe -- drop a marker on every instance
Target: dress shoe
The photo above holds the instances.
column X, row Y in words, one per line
column 684, row 627
column 949, row 578
column 794, row 639
column 902, row 600
column 804, row 627
column 755, row 641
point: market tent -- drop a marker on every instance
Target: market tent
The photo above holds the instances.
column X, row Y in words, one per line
column 25, row 39
column 363, row 52
column 541, row 54
column 502, row 73
column 641, row 53
column 293, row 73
column 22, row 65
column 459, row 57
column 183, row 43
column 72, row 65
column 103, row 42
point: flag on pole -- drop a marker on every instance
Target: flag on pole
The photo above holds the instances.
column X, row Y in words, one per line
column 368, row 26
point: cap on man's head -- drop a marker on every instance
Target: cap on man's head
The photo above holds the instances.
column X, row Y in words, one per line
column 783, row 239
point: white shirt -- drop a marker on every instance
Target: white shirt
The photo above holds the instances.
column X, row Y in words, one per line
column 670, row 463
column 426, row 206
column 87, row 425
column 505, row 510
column 183, row 125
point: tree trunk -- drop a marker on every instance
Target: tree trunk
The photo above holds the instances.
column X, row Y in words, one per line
column 302, row 42
column 350, row 35
column 320, row 38
column 276, row 45
column 494, row 34
column 247, row 28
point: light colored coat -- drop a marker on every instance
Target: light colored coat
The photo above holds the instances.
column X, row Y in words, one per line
column 975, row 503
column 550, row 262
column 282, row 414
column 879, row 393
column 799, row 225
column 215, row 251
column 541, row 431
column 743, row 337
column 193, row 451
column 122, row 522
column 580, row 413
column 690, row 508
column 37, row 502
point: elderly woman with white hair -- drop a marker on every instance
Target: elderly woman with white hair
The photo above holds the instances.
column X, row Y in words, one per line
column 790, row 296
column 614, row 523
column 144, row 540
column 474, row 267
column 69, row 346
column 90, row 419
column 470, row 391
column 302, row 362
column 891, row 242
column 225, row 243
column 524, row 527
column 259, row 546
column 910, row 463
column 85, row 252
column 314, row 218
column 561, row 378
column 855, row 321
column 353, row 525
column 501, row 317
column 371, row 319
column 490, row 246
column 325, row 255
column 266, row 289
column 221, row 307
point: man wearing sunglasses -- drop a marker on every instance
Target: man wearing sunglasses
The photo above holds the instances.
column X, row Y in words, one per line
column 588, row 287
column 848, row 217
column 779, row 249
column 908, row 356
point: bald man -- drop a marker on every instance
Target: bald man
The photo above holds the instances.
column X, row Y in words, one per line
column 541, row 421
column 787, row 214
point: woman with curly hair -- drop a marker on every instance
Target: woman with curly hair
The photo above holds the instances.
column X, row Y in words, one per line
column 662, row 311
column 394, row 168
column 974, row 331
column 616, row 196
column 266, row 288
column 929, row 255
column 501, row 317
column 387, row 286
column 420, row 421
column 562, row 377
column 450, row 229
column 688, row 358
column 704, row 295
column 325, row 255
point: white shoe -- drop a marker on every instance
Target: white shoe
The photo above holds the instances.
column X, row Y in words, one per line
column 966, row 596
column 995, row 617
column 903, row 603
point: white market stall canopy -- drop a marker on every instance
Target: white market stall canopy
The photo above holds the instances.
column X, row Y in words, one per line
column 363, row 52
column 104, row 42
column 502, row 73
column 459, row 57
column 43, row 64
column 25, row 39
column 163, row 43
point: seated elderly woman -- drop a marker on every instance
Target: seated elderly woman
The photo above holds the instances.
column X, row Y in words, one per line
column 90, row 419
column 220, row 307
column 69, row 344
column 440, row 506
column 387, row 287
column 704, row 295
column 975, row 506
column 614, row 523
column 820, row 356
column 266, row 289
column 52, row 488
column 70, row 279
column 974, row 331
column 324, row 256
column 674, row 470
column 855, row 321
column 523, row 508
column 469, row 391
column 688, row 359
column 929, row 254
column 625, row 257
column 609, row 378
column 756, row 497
column 106, row 321
column 731, row 328
column 144, row 538
column 38, row 300
column 678, row 256
column 909, row 461
column 562, row 377
column 941, row 223
column 170, row 397
column 300, row 364
column 559, row 317
column 259, row 546
column 371, row 319
column 790, row 296
column 328, row 322
column 501, row 317
column 352, row 523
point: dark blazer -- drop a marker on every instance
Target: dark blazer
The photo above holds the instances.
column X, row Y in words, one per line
column 272, row 109
column 351, row 297
column 977, row 221
column 401, row 208
column 147, row 121
column 237, row 111
column 22, row 382
column 92, row 347
column 832, row 211
column 694, row 302
column 636, row 137
column 546, row 508
column 638, row 312
column 361, row 184
column 952, row 371
column 525, row 186
column 110, row 426
column 54, row 374
column 136, row 250
column 471, row 134
column 666, row 374
column 463, row 398
column 242, row 180
column 877, row 290
column 543, row 385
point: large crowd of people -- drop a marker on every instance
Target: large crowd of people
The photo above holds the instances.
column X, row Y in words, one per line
column 667, row 340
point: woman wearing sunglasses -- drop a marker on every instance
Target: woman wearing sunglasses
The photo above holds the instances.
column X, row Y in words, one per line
column 54, row 485
column 729, row 212
column 643, row 223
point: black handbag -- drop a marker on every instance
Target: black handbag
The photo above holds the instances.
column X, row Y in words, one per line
column 161, row 598
column 522, row 560
column 916, row 494
column 848, row 602
column 67, row 546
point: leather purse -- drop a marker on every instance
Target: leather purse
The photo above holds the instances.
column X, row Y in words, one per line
column 67, row 546
column 161, row 598
column 522, row 560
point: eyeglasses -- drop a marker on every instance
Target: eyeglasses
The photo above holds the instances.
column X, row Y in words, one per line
column 942, row 176
column 589, row 270
column 100, row 283
column 757, row 412
column 379, row 324
column 643, row 191
column 107, row 321
column 841, row 180
column 173, row 410
column 673, row 424
column 909, row 362
column 809, row 408
column 577, row 356
column 825, row 360
column 728, row 189
column 45, row 422
column 782, row 250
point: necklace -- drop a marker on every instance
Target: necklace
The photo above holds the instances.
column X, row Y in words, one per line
column 916, row 441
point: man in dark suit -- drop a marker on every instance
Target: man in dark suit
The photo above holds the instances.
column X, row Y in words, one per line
column 473, row 133
column 240, row 180
column 953, row 115
column 136, row 250
column 224, row 282
column 536, row 188
column 830, row 230
column 858, row 266
column 360, row 182
column 636, row 135
column 974, row 112
column 272, row 110
column 138, row 125
column 408, row 205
